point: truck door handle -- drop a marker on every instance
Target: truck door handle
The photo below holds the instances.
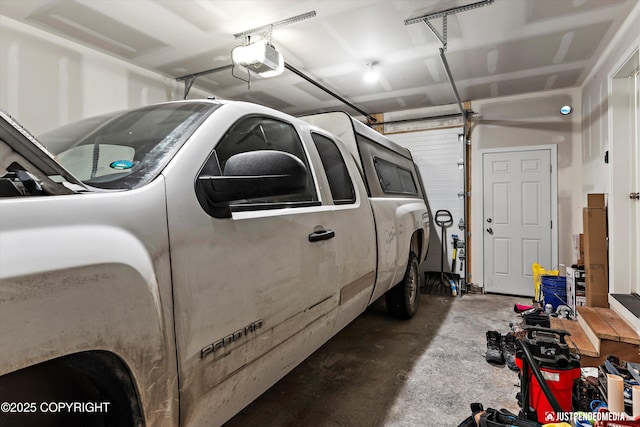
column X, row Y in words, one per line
column 321, row 235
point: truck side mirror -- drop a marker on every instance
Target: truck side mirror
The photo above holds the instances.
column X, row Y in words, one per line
column 251, row 175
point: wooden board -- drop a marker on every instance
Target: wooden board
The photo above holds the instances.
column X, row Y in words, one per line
column 582, row 320
column 578, row 341
column 598, row 324
column 624, row 331
column 607, row 325
column 622, row 350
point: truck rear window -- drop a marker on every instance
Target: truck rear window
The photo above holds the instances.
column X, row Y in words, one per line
column 335, row 168
column 393, row 178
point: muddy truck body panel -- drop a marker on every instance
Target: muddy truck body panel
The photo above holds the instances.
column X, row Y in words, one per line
column 82, row 273
column 395, row 192
column 177, row 260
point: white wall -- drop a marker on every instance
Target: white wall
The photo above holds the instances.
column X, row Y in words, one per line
column 595, row 102
column 523, row 121
column 601, row 109
column 47, row 81
column 582, row 139
column 526, row 120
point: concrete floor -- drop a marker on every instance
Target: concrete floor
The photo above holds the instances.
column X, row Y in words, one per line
column 380, row 371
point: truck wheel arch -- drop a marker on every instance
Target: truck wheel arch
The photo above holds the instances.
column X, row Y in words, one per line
column 416, row 244
column 88, row 377
column 402, row 300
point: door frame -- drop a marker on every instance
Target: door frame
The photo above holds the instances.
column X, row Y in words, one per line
column 618, row 198
column 553, row 148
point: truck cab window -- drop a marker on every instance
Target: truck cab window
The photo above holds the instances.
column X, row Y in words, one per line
column 262, row 133
column 340, row 182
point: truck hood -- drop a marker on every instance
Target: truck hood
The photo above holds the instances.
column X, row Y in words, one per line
column 21, row 144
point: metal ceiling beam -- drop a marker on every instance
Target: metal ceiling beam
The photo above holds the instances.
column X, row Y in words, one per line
column 466, row 195
column 446, row 12
column 443, row 14
column 190, row 78
column 203, row 73
column 336, row 96
column 445, row 64
column 276, row 24
column 443, row 37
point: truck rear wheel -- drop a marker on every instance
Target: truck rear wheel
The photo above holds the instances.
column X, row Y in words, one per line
column 402, row 300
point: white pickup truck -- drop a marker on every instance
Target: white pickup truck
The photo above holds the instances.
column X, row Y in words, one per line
column 165, row 265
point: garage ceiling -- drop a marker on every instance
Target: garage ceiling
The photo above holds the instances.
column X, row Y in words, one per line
column 507, row 48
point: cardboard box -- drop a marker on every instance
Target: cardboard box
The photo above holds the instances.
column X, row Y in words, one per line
column 571, row 288
column 595, row 257
column 575, row 288
column 578, row 248
column 596, row 200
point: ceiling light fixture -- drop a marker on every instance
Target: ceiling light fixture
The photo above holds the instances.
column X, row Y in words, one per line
column 565, row 110
column 372, row 75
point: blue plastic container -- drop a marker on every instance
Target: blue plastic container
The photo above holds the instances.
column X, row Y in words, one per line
column 554, row 290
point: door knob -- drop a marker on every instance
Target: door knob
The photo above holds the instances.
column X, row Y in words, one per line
column 634, row 196
column 490, row 230
column 489, row 220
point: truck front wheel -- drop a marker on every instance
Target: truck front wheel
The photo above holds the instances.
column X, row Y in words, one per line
column 402, row 299
column 85, row 389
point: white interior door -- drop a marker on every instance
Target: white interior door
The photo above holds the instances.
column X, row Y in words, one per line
column 517, row 220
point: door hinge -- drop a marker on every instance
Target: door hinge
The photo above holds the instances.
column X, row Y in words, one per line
column 552, row 224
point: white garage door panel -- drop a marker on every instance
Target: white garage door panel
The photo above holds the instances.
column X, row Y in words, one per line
column 437, row 153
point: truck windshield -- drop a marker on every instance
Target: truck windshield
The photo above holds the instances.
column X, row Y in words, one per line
column 125, row 150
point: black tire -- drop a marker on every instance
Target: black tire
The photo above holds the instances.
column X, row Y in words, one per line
column 92, row 377
column 402, row 300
